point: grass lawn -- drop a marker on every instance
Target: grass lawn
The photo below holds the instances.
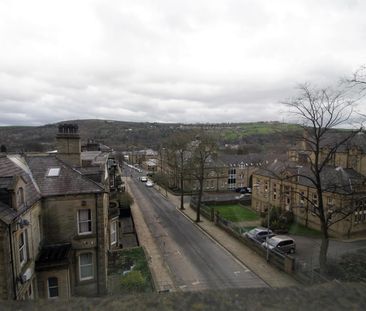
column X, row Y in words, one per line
column 235, row 213
column 298, row 229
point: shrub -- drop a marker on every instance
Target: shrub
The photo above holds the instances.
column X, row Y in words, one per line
column 279, row 220
column 133, row 281
column 125, row 200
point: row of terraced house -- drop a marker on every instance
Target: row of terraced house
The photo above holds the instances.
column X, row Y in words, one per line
column 281, row 181
column 56, row 226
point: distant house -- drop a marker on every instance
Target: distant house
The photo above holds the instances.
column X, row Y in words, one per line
column 222, row 173
column 56, row 225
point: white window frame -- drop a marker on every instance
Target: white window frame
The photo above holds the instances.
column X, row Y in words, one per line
column 113, row 233
column 79, row 222
column 22, row 249
column 52, row 287
column 90, row 277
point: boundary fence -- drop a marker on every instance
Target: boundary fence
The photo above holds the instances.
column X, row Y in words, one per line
column 305, row 272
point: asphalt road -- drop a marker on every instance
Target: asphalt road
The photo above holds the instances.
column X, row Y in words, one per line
column 195, row 261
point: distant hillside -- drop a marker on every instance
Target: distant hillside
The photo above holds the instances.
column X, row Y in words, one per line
column 126, row 135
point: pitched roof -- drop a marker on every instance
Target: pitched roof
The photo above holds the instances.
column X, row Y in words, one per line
column 334, row 179
column 12, row 166
column 243, row 159
column 7, row 214
column 69, row 180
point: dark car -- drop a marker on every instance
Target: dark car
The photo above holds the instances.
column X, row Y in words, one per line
column 259, row 234
column 243, row 190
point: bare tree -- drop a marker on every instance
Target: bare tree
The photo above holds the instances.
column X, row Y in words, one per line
column 319, row 111
column 177, row 148
column 358, row 83
column 203, row 148
column 359, row 78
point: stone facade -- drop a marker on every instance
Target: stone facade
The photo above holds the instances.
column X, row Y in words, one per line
column 274, row 187
column 55, row 224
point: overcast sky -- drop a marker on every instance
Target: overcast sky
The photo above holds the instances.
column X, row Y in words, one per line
column 171, row 61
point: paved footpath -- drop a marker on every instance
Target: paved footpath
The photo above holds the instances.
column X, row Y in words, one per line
column 159, row 270
column 271, row 275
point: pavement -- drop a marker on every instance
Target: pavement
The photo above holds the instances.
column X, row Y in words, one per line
column 160, row 271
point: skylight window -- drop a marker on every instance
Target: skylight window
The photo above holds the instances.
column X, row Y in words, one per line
column 53, row 172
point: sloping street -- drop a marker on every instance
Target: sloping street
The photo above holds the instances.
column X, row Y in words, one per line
column 194, row 260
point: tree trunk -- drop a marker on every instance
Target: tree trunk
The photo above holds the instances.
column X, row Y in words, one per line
column 198, row 217
column 323, row 249
column 181, row 192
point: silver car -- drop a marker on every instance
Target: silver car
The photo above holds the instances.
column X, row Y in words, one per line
column 280, row 243
column 259, row 234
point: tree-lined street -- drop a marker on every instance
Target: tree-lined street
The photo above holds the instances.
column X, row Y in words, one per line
column 195, row 261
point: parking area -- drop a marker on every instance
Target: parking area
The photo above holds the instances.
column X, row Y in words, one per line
column 307, row 248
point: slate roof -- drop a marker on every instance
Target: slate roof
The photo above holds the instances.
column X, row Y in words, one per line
column 251, row 158
column 69, row 181
column 6, row 182
column 334, row 179
column 10, row 167
column 7, row 214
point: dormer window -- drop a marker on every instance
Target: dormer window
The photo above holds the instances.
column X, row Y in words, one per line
column 53, row 172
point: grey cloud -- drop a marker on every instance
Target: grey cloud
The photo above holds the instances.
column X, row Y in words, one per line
column 191, row 61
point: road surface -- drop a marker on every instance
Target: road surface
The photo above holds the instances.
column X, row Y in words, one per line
column 195, row 261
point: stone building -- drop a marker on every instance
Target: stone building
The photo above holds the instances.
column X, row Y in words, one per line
column 56, row 224
column 225, row 172
column 285, row 185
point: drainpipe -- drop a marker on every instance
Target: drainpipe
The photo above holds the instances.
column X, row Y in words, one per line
column 12, row 263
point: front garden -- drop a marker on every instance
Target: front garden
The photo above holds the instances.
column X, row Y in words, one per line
column 236, row 212
column 128, row 272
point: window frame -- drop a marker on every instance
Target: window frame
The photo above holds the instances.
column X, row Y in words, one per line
column 22, row 249
column 89, row 220
column 52, row 287
column 89, row 264
column 113, row 234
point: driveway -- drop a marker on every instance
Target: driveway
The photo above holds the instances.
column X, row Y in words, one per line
column 307, row 248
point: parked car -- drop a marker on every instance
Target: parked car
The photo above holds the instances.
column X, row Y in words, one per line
column 259, row 234
column 281, row 243
column 149, row 183
column 143, row 178
column 243, row 190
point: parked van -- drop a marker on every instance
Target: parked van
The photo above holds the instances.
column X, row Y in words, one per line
column 281, row 243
